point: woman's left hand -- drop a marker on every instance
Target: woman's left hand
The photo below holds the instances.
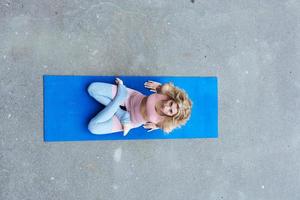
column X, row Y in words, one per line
column 152, row 85
column 151, row 126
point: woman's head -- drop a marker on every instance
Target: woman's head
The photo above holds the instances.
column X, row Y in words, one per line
column 169, row 107
column 177, row 107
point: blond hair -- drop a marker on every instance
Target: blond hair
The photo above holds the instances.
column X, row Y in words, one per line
column 180, row 97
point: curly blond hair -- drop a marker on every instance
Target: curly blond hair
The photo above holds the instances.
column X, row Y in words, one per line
column 180, row 97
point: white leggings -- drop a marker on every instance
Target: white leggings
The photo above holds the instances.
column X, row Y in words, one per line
column 111, row 118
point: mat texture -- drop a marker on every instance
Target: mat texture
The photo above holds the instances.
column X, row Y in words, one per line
column 68, row 107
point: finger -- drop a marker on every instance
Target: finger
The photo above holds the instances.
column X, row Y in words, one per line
column 149, row 126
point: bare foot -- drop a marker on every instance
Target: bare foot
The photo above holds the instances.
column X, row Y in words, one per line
column 119, row 81
column 126, row 129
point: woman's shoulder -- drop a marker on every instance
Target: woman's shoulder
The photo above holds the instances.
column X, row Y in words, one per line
column 157, row 96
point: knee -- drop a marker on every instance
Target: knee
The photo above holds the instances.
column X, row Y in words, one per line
column 100, row 88
column 99, row 128
column 92, row 88
column 92, row 127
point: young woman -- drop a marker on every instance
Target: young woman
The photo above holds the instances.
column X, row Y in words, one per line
column 168, row 108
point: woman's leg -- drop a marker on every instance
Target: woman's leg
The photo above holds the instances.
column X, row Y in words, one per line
column 100, row 128
column 111, row 108
column 103, row 123
column 104, row 93
column 111, row 126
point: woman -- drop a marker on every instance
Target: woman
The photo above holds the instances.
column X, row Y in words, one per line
column 168, row 108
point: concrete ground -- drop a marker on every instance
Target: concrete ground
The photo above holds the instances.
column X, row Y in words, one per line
column 252, row 46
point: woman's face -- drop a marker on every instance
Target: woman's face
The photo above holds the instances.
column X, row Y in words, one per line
column 169, row 107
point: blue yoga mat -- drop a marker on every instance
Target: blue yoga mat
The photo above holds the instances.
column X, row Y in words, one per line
column 68, row 108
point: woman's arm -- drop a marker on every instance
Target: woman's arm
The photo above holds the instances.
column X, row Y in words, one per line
column 164, row 88
column 158, row 87
column 153, row 86
column 151, row 126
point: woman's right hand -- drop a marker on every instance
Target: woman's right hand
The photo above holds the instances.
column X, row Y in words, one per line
column 152, row 85
column 150, row 126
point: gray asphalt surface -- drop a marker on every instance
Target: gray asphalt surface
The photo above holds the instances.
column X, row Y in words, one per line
column 251, row 46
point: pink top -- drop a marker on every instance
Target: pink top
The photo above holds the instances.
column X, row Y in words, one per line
column 133, row 106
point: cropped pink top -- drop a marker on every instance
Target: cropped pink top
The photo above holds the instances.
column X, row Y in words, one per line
column 133, row 105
